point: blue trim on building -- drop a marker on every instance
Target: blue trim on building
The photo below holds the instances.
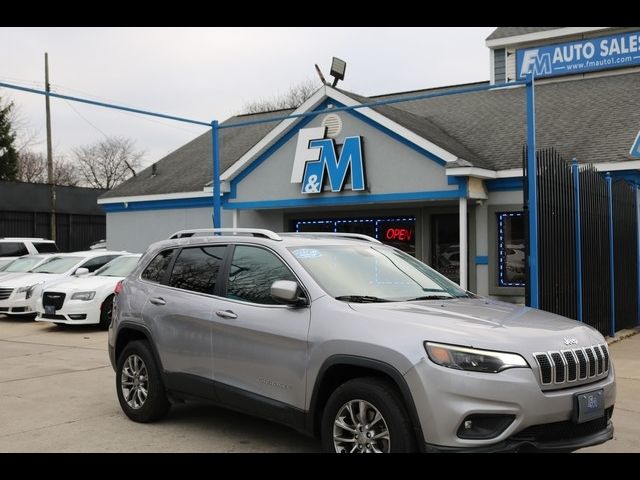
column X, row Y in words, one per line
column 504, row 184
column 631, row 176
column 482, row 260
column 397, row 137
column 350, row 199
column 199, row 202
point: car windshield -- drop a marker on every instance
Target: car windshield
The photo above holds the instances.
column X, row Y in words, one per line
column 57, row 265
column 120, row 267
column 23, row 264
column 365, row 273
column 4, row 263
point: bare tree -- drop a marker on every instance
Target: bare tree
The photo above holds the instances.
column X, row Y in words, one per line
column 293, row 98
column 109, row 162
column 64, row 173
column 26, row 136
column 32, row 168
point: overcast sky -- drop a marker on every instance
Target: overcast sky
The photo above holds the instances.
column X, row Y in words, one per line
column 207, row 73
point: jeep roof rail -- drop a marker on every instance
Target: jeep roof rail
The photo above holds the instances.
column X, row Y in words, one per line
column 256, row 232
column 354, row 236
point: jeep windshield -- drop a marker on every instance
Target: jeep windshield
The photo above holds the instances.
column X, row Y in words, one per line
column 368, row 274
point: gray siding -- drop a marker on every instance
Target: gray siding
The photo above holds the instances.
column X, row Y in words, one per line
column 135, row 231
column 390, row 166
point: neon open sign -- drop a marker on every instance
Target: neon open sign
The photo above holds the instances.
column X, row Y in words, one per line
column 402, row 234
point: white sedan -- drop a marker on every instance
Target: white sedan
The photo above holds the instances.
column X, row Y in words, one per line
column 85, row 300
column 18, row 295
column 23, row 264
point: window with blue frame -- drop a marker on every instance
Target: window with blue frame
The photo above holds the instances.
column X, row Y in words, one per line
column 511, row 249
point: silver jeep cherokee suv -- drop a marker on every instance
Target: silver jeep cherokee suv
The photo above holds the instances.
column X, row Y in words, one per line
column 343, row 337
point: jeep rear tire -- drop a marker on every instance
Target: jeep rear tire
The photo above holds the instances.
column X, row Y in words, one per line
column 366, row 415
column 141, row 393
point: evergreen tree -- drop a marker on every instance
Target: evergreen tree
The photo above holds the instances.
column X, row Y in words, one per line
column 8, row 154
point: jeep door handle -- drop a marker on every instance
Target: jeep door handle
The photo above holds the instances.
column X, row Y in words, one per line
column 226, row 314
column 158, row 301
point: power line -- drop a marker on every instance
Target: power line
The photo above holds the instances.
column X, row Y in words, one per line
column 85, row 119
column 98, row 97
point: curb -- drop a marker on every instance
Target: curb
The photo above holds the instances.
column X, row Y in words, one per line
column 622, row 334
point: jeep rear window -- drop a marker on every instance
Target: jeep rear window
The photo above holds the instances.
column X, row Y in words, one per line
column 13, row 249
column 157, row 268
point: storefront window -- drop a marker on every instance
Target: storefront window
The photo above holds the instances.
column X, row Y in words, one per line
column 445, row 245
column 398, row 232
column 511, row 251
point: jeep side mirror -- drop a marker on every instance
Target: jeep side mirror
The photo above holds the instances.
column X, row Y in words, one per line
column 81, row 271
column 288, row 292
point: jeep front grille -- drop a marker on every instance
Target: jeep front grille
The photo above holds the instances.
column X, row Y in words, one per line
column 568, row 366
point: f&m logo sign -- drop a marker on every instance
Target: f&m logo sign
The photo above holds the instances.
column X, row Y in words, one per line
column 316, row 156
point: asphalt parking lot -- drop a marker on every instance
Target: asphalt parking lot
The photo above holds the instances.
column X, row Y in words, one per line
column 57, row 394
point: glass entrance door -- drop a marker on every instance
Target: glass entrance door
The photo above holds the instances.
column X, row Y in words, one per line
column 445, row 245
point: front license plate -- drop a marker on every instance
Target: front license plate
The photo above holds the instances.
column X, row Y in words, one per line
column 50, row 309
column 590, row 405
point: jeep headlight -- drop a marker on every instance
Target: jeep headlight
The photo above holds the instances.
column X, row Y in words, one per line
column 86, row 296
column 472, row 359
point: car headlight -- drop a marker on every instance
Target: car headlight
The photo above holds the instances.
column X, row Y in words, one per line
column 472, row 359
column 86, row 296
column 28, row 290
column 31, row 290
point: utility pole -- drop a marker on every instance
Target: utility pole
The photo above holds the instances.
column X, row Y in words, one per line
column 52, row 192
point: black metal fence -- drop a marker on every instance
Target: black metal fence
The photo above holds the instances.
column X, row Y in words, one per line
column 625, row 255
column 25, row 207
column 574, row 274
column 594, row 226
column 556, row 233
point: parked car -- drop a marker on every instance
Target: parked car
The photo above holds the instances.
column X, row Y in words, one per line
column 85, row 300
column 100, row 244
column 18, row 295
column 4, row 262
column 356, row 342
column 14, row 247
column 21, row 265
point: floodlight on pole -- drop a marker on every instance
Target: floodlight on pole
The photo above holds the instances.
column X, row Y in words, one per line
column 337, row 70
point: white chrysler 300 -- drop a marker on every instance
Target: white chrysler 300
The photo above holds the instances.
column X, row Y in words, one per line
column 85, row 300
column 19, row 295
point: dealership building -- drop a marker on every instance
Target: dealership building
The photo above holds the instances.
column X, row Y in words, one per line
column 440, row 178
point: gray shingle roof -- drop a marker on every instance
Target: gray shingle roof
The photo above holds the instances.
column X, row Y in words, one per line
column 503, row 32
column 594, row 120
column 424, row 127
column 189, row 168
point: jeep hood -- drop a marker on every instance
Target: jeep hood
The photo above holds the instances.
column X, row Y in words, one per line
column 483, row 323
